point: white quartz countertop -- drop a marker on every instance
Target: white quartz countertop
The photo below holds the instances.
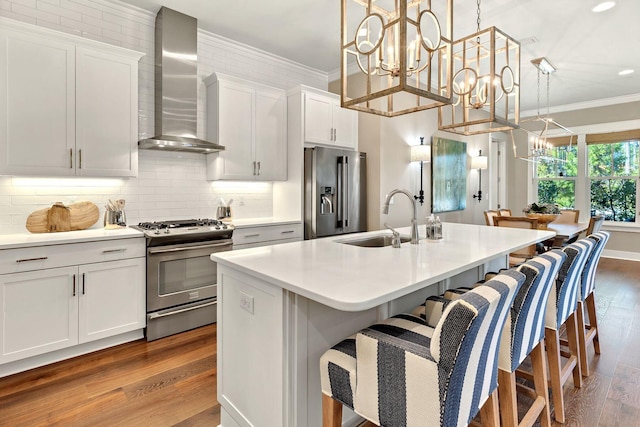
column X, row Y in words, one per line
column 23, row 240
column 352, row 278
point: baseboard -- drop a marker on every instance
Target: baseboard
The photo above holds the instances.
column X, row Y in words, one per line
column 632, row 256
column 67, row 353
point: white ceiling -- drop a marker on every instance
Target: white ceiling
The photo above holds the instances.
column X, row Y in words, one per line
column 588, row 49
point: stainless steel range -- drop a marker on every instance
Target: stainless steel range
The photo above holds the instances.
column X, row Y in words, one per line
column 181, row 278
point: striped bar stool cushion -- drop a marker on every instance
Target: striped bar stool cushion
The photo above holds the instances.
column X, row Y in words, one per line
column 564, row 294
column 406, row 372
column 588, row 283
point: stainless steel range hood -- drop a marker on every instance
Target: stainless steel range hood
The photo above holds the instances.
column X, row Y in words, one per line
column 176, row 86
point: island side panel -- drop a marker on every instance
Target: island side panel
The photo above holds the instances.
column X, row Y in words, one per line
column 250, row 350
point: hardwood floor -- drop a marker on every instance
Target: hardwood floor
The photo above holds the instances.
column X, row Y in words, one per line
column 172, row 381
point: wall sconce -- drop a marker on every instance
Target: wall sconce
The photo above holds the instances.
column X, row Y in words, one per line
column 479, row 162
column 421, row 153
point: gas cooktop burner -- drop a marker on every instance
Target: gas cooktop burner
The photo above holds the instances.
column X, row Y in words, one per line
column 182, row 223
column 184, row 231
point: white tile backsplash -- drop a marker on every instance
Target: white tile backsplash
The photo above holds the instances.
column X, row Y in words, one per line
column 169, row 185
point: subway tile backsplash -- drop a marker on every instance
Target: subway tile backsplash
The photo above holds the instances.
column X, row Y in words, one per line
column 169, row 185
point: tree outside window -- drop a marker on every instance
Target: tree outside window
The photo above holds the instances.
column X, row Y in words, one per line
column 613, row 170
column 556, row 176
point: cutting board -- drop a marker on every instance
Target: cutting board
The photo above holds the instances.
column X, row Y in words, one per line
column 77, row 216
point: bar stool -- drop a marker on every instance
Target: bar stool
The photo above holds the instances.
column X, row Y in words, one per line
column 404, row 372
column 561, row 310
column 523, row 335
column 588, row 333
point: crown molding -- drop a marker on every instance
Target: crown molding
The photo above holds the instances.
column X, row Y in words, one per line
column 230, row 44
column 129, row 9
column 587, row 104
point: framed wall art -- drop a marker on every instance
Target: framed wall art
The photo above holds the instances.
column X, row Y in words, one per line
column 448, row 175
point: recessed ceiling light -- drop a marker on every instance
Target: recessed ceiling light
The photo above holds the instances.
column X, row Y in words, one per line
column 605, row 5
column 625, row 72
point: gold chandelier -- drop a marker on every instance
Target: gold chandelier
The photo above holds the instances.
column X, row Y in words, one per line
column 402, row 50
column 486, row 84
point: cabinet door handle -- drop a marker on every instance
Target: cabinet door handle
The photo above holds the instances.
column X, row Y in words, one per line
column 111, row 251
column 74, row 285
column 331, row 134
column 287, row 232
column 258, row 168
column 251, row 235
column 42, row 258
column 335, row 134
column 70, row 158
column 82, row 283
column 254, row 167
column 80, row 158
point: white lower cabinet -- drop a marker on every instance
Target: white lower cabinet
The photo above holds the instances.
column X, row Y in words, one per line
column 49, row 309
column 110, row 301
column 40, row 312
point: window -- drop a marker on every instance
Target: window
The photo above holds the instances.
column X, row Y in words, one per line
column 613, row 174
column 598, row 175
column 556, row 176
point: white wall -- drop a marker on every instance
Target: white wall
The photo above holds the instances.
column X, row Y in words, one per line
column 169, row 184
column 396, row 171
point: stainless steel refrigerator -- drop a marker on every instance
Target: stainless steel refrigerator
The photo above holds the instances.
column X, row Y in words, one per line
column 335, row 199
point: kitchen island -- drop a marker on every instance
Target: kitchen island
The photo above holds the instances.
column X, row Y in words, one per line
column 281, row 307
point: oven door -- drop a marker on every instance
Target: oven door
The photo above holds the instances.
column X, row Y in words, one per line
column 182, row 273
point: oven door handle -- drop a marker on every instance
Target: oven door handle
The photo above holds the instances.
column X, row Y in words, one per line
column 214, row 245
column 182, row 310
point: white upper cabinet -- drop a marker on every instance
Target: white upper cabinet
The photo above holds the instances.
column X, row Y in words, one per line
column 326, row 122
column 71, row 104
column 250, row 120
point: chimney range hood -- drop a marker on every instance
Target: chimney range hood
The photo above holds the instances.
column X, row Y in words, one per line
column 176, row 86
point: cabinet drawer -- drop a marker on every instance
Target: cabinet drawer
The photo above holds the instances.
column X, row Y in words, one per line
column 52, row 256
column 267, row 233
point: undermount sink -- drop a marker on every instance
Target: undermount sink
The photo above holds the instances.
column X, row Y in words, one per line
column 379, row 241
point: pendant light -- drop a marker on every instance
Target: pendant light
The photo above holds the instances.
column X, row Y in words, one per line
column 401, row 49
column 485, row 84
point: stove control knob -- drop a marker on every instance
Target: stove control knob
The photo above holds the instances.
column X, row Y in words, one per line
column 224, row 226
column 157, row 231
column 217, row 227
column 166, row 231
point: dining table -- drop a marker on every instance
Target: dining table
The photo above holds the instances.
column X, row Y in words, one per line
column 566, row 231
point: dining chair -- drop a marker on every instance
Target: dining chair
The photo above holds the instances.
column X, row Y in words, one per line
column 505, row 212
column 568, row 216
column 404, row 372
column 523, row 336
column 523, row 254
column 489, row 215
column 588, row 332
column 595, row 224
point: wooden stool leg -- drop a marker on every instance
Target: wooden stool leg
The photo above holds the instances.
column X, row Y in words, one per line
column 539, row 365
column 552, row 341
column 508, row 398
column 574, row 349
column 331, row 412
column 593, row 320
column 489, row 411
column 582, row 340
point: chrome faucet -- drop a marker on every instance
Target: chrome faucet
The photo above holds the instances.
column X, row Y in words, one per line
column 414, row 221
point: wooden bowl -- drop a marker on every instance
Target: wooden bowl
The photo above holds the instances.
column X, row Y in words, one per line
column 543, row 219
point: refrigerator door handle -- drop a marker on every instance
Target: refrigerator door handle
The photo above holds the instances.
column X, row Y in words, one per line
column 345, row 195
column 340, row 193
